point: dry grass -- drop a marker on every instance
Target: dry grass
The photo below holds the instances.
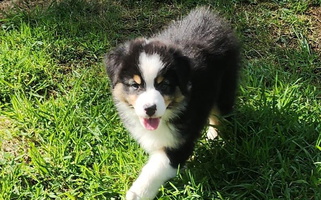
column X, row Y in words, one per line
column 11, row 146
column 315, row 36
column 22, row 5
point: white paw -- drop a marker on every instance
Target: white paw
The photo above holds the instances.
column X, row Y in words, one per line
column 132, row 196
column 211, row 133
column 153, row 175
column 141, row 192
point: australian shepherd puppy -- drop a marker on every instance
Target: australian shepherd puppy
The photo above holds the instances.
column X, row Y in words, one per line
column 167, row 87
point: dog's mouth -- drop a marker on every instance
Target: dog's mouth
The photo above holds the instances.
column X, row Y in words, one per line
column 150, row 123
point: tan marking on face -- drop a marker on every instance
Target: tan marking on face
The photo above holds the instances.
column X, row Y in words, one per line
column 176, row 98
column 168, row 100
column 178, row 95
column 131, row 99
column 137, row 79
column 120, row 95
column 118, row 92
column 159, row 79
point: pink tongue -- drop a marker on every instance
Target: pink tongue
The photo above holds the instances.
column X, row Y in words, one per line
column 151, row 123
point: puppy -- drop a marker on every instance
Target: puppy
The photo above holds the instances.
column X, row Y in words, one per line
column 167, row 86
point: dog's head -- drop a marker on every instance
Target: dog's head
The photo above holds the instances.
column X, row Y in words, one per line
column 151, row 77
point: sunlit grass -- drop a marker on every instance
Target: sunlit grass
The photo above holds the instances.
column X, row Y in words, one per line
column 60, row 135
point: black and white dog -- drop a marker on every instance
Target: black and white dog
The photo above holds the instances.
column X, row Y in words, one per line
column 166, row 88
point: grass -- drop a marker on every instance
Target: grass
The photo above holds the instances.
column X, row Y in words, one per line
column 60, row 135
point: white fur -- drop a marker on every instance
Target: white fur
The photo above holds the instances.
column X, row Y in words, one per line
column 148, row 98
column 150, row 65
column 153, row 175
column 211, row 133
column 213, row 122
column 164, row 136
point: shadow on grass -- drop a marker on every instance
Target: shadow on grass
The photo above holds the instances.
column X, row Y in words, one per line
column 265, row 153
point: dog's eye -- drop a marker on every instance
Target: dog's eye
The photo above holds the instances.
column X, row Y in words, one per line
column 134, row 86
column 164, row 86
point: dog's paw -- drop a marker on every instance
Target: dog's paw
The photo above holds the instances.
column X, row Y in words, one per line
column 153, row 175
column 211, row 133
column 132, row 196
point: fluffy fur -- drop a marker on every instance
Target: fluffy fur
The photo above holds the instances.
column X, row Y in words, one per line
column 166, row 87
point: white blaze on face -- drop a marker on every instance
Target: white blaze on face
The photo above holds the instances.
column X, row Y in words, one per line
column 150, row 65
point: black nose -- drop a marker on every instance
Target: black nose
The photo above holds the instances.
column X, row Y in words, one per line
column 150, row 110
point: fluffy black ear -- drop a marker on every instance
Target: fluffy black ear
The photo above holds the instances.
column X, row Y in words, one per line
column 125, row 54
column 183, row 71
column 113, row 62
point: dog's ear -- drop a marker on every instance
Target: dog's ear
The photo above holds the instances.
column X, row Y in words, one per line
column 113, row 62
column 125, row 54
column 183, row 71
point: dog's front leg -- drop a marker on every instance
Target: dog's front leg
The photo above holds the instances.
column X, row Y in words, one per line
column 153, row 175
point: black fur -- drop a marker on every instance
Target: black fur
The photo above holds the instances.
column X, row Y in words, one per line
column 214, row 53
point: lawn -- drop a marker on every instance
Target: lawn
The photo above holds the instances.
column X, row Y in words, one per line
column 60, row 135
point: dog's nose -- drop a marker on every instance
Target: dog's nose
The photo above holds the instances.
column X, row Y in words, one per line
column 150, row 110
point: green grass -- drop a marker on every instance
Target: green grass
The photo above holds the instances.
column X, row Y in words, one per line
column 60, row 135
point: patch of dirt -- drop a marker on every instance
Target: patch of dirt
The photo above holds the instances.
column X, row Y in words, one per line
column 9, row 5
column 315, row 36
column 6, row 5
column 11, row 147
column 4, row 123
